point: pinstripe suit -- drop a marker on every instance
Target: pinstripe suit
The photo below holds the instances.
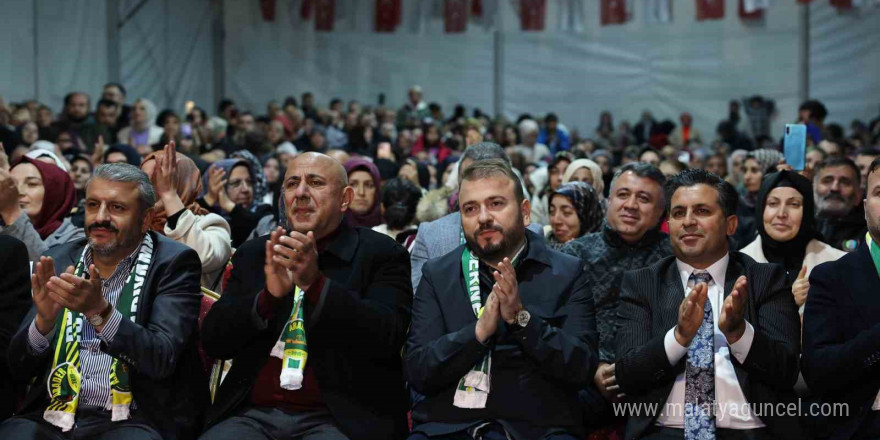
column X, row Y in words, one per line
column 649, row 302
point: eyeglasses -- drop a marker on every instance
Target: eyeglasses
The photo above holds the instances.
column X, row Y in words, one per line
column 235, row 184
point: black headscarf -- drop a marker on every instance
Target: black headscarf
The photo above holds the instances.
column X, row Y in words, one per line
column 131, row 155
column 790, row 253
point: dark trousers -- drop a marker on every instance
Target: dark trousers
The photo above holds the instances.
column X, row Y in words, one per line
column 91, row 424
column 659, row 433
column 494, row 432
column 260, row 423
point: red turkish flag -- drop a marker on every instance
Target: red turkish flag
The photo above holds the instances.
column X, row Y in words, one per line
column 267, row 7
column 710, row 9
column 305, row 9
column 387, row 15
column 477, row 8
column 612, row 12
column 455, row 15
column 325, row 15
column 842, row 4
column 531, row 14
column 756, row 15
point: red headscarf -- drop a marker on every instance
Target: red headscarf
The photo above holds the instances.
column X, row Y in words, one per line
column 59, row 196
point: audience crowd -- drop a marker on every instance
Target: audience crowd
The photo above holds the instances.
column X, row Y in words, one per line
column 361, row 272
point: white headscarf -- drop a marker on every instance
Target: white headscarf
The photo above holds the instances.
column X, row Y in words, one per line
column 595, row 170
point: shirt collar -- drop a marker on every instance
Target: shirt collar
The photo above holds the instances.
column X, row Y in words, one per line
column 717, row 270
column 125, row 263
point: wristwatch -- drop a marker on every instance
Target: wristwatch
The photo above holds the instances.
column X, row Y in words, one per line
column 521, row 320
column 101, row 318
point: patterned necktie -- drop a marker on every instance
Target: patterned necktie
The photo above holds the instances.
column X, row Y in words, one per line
column 699, row 390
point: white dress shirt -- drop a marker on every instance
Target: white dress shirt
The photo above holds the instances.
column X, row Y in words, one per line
column 732, row 410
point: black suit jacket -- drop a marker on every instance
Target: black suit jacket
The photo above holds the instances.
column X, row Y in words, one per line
column 355, row 333
column 168, row 381
column 15, row 300
column 841, row 360
column 649, row 302
column 536, row 372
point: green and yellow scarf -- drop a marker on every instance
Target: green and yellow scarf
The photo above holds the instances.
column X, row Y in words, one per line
column 65, row 381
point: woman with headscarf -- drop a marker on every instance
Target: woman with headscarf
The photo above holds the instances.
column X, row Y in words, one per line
column 233, row 189
column 585, row 170
column 787, row 233
column 46, row 195
column 122, row 153
column 574, row 212
column 143, row 131
column 177, row 215
column 552, row 174
column 364, row 177
column 755, row 166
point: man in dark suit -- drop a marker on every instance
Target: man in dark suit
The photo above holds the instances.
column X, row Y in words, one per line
column 15, row 300
column 841, row 360
column 707, row 337
column 501, row 310
column 112, row 333
column 314, row 321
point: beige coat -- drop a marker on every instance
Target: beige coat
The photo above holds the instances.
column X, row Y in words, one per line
column 209, row 235
column 817, row 253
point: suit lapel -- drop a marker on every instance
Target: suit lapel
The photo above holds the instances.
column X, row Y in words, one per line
column 734, row 270
column 672, row 295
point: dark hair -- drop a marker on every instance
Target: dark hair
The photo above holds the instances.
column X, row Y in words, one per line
column 118, row 86
column 816, row 108
column 400, row 197
column 875, row 164
column 869, row 151
column 224, row 104
column 643, row 170
column 107, row 103
column 483, row 169
column 163, row 116
column 559, row 157
column 840, row 161
column 727, row 196
column 290, row 100
column 70, row 96
column 551, row 117
column 484, row 151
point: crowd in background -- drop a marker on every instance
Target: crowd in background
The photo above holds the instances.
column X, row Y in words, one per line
column 219, row 178
column 400, row 161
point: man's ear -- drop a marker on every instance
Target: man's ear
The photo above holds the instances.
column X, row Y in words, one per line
column 148, row 219
column 732, row 223
column 347, row 197
column 526, row 208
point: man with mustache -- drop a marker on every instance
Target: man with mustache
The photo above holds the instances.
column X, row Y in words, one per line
column 314, row 319
column 708, row 335
column 841, row 331
column 111, row 338
column 630, row 239
column 504, row 332
column 840, row 215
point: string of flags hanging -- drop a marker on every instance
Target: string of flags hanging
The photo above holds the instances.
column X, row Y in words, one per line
column 532, row 13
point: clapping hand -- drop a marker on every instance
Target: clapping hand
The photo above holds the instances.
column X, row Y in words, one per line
column 47, row 308
column 732, row 320
column 507, row 290
column 690, row 314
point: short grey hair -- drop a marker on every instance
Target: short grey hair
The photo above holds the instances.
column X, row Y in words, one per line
column 123, row 172
column 483, row 151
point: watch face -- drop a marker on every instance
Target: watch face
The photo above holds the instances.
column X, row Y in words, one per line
column 522, row 318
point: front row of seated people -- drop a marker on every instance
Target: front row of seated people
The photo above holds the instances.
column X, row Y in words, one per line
column 500, row 340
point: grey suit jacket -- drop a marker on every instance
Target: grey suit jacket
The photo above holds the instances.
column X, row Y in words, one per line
column 438, row 238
